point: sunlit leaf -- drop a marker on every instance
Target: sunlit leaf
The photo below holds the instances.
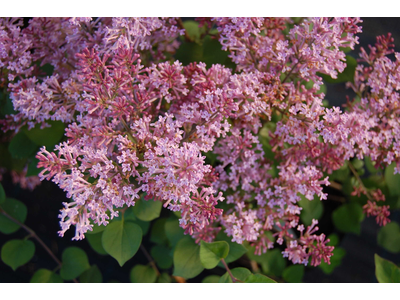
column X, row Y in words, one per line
column 122, row 239
column 212, row 253
column 239, row 273
column 187, row 263
column 46, row 276
column 386, row 271
column 143, row 274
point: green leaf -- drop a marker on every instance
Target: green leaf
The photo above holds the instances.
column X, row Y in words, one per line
column 91, row 275
column 15, row 209
column 16, row 253
column 173, row 231
column 143, row 274
column 96, row 229
column 310, row 209
column 21, row 146
column 189, row 52
column 333, row 239
column 6, row 104
column 236, row 250
column 273, row 263
column 208, row 50
column 6, row 161
column 347, row 217
column 336, row 260
column 187, row 263
column 310, row 84
column 46, row 276
column 239, row 273
column 212, row 253
column 164, row 278
column 370, row 165
column 357, row 163
column 386, row 271
column 129, row 215
column 48, row 136
column 193, row 30
column 213, row 53
column 346, row 75
column 122, row 240
column 95, row 242
column 162, row 257
column 74, row 263
column 147, row 210
column 293, row 273
column 18, row 164
column 48, row 69
column 211, row 279
column 392, row 181
column 259, row 278
column 2, row 194
column 32, row 167
column 389, row 237
column 157, row 233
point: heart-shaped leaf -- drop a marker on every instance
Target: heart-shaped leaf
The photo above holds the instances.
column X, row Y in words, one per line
column 15, row 209
column 310, row 209
column 46, row 276
column 187, row 263
column 16, row 253
column 173, row 231
column 48, row 136
column 212, row 253
column 239, row 273
column 293, row 273
column 161, row 256
column 273, row 263
column 348, row 217
column 95, row 242
column 389, row 237
column 211, row 279
column 147, row 210
column 143, row 274
column 235, row 250
column 91, row 275
column 122, row 239
column 259, row 278
column 21, row 146
column 386, row 271
column 74, row 263
column 392, row 180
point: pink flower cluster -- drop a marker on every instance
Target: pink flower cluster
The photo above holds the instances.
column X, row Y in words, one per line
column 140, row 125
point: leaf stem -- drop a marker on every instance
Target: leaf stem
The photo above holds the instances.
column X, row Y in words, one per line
column 229, row 271
column 181, row 26
column 150, row 259
column 128, row 131
column 354, row 171
column 335, row 185
column 35, row 236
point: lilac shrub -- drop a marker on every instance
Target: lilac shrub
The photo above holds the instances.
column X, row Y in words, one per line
column 142, row 125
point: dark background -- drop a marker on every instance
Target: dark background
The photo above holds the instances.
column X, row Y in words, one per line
column 45, row 201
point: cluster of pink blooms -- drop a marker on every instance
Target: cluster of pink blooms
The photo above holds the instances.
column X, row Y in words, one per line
column 140, row 124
